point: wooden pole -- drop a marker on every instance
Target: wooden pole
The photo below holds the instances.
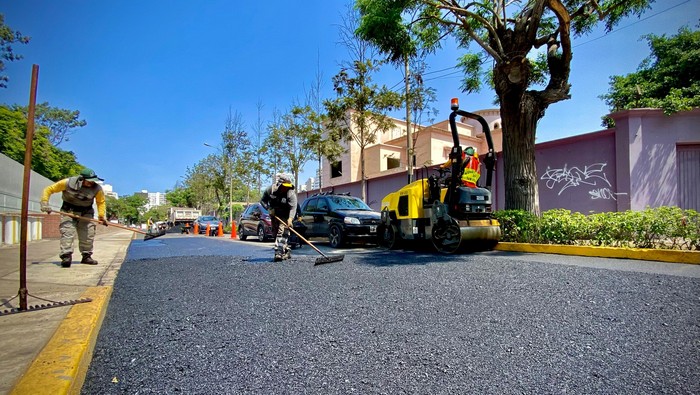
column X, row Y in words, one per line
column 25, row 192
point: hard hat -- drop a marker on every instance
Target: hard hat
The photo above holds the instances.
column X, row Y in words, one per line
column 470, row 151
column 284, row 179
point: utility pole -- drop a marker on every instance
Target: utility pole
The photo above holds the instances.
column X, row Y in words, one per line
column 409, row 139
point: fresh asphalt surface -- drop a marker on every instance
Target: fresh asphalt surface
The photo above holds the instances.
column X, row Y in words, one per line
column 201, row 315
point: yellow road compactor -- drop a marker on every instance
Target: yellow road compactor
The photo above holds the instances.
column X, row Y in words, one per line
column 440, row 208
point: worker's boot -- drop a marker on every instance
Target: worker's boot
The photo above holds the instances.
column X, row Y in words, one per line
column 87, row 259
column 66, row 259
column 287, row 254
column 278, row 255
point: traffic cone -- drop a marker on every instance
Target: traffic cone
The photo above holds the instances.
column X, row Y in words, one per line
column 208, row 230
column 233, row 231
column 196, row 228
column 220, row 232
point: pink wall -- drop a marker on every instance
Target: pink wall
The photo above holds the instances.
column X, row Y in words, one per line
column 648, row 168
column 578, row 173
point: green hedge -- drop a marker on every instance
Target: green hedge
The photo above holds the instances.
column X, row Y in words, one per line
column 663, row 228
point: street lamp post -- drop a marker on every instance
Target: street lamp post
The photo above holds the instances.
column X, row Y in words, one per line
column 230, row 184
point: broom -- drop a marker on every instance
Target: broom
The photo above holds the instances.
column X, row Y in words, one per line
column 319, row 261
column 147, row 236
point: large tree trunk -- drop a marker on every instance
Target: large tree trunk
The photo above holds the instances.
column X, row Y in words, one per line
column 520, row 116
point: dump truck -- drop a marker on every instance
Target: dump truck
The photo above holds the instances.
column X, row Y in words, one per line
column 182, row 216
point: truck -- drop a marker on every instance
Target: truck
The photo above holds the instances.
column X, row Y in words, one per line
column 441, row 209
column 182, row 216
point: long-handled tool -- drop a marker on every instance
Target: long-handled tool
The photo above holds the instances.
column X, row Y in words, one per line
column 319, row 261
column 147, row 236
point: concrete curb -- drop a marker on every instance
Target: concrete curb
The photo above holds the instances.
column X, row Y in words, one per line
column 673, row 256
column 61, row 366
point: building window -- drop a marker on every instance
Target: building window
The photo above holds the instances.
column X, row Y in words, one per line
column 392, row 163
column 496, row 125
column 337, row 169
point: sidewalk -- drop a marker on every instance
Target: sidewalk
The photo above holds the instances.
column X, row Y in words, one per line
column 24, row 335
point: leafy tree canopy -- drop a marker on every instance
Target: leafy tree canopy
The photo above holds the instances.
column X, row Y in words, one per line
column 669, row 78
column 7, row 38
column 60, row 122
column 47, row 160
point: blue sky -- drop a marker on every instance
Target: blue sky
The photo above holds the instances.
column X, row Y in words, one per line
column 155, row 79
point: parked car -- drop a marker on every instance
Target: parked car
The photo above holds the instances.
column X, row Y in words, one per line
column 341, row 218
column 204, row 220
column 255, row 221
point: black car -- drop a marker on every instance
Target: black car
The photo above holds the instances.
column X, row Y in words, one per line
column 341, row 218
column 255, row 221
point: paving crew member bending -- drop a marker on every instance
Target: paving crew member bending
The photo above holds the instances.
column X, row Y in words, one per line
column 78, row 195
column 280, row 199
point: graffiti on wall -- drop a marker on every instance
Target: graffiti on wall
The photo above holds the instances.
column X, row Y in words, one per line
column 592, row 175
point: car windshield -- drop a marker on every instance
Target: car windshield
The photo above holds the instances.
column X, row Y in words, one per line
column 347, row 203
column 209, row 219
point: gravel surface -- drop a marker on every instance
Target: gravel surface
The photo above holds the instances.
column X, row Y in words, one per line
column 395, row 324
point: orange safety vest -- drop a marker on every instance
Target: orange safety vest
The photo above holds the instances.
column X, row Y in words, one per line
column 472, row 171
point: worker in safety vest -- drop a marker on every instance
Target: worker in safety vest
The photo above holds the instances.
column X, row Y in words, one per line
column 471, row 167
column 78, row 195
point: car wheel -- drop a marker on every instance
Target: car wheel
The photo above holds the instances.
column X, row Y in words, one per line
column 335, row 236
column 242, row 236
column 261, row 233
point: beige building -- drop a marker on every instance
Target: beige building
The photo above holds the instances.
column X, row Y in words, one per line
column 432, row 146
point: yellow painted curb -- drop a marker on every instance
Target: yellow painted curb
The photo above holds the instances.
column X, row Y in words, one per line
column 647, row 254
column 61, row 366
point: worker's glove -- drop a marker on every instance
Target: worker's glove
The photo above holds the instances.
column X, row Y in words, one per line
column 272, row 212
column 103, row 221
column 45, row 207
column 289, row 222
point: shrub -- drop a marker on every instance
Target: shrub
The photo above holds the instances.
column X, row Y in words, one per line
column 662, row 227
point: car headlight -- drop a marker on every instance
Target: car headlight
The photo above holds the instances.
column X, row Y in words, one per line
column 351, row 220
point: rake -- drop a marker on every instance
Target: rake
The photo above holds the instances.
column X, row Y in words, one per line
column 147, row 236
column 319, row 261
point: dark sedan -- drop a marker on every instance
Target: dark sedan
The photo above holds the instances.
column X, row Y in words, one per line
column 341, row 218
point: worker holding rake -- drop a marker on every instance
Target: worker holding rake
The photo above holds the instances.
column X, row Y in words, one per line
column 79, row 193
column 280, row 199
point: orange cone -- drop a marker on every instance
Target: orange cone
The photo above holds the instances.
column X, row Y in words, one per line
column 220, row 232
column 196, row 228
column 233, row 231
column 208, row 230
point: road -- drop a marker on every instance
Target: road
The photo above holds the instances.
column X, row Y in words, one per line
column 203, row 315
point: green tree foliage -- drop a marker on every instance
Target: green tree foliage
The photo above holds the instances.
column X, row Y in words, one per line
column 157, row 213
column 60, row 122
column 8, row 37
column 127, row 209
column 47, row 160
column 299, row 136
column 506, row 32
column 238, row 155
column 359, row 113
column 669, row 78
column 180, row 197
